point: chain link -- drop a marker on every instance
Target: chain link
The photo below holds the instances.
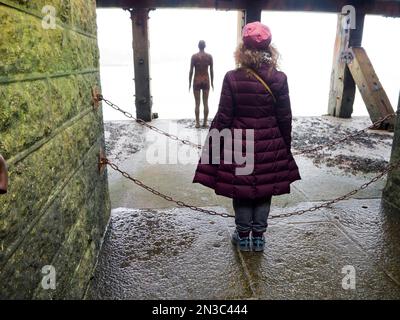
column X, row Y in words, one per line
column 145, row 124
column 105, row 161
column 326, row 204
column 375, row 125
column 347, row 196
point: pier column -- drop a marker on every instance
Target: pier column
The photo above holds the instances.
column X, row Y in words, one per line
column 141, row 59
column 392, row 189
column 343, row 88
column 241, row 21
column 253, row 11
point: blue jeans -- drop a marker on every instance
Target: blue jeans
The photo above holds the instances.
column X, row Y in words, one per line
column 252, row 215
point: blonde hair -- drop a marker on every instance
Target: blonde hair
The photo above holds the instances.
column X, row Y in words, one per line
column 250, row 58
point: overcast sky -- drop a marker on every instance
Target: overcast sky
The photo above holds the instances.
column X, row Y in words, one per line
column 305, row 41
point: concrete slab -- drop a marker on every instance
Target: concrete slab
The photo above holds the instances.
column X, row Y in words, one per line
column 319, row 184
column 168, row 254
column 180, row 254
column 374, row 227
column 305, row 261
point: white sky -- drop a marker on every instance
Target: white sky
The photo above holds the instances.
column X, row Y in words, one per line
column 305, row 41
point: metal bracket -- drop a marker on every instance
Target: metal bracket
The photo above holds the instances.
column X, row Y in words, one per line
column 102, row 161
column 3, row 176
column 346, row 56
column 96, row 98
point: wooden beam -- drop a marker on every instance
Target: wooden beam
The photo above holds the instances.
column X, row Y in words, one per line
column 141, row 59
column 343, row 89
column 253, row 11
column 373, row 94
column 389, row 8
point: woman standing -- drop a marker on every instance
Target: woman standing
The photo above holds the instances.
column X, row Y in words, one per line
column 255, row 96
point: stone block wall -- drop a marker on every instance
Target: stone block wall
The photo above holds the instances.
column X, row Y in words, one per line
column 57, row 206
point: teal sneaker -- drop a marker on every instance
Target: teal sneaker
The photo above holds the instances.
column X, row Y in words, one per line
column 244, row 244
column 258, row 243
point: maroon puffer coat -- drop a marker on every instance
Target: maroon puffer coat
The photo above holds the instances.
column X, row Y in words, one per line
column 246, row 104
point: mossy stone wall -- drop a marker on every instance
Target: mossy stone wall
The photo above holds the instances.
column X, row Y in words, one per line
column 391, row 194
column 57, row 206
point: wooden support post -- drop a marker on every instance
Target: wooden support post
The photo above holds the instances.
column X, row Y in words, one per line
column 241, row 21
column 141, row 58
column 373, row 94
column 253, row 11
column 392, row 189
column 343, row 89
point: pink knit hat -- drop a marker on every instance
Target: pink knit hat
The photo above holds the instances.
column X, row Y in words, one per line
column 256, row 36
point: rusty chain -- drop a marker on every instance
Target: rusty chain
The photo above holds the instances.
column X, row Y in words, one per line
column 327, row 204
column 197, row 146
column 105, row 161
column 145, row 124
column 347, row 196
column 390, row 167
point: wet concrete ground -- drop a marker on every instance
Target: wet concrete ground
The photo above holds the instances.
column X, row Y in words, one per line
column 153, row 250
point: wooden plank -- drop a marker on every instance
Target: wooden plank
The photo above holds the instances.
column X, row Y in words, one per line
column 389, row 8
column 342, row 88
column 373, row 94
column 141, row 58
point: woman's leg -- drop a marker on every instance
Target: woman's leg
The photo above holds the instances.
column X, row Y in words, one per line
column 260, row 216
column 243, row 216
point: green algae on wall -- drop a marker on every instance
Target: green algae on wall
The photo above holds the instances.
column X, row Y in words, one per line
column 37, row 108
column 80, row 15
column 57, row 207
column 69, row 227
column 41, row 51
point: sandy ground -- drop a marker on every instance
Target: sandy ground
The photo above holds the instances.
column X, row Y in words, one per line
column 123, row 139
column 367, row 153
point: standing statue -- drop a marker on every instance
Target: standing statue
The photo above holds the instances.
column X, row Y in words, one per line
column 200, row 63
